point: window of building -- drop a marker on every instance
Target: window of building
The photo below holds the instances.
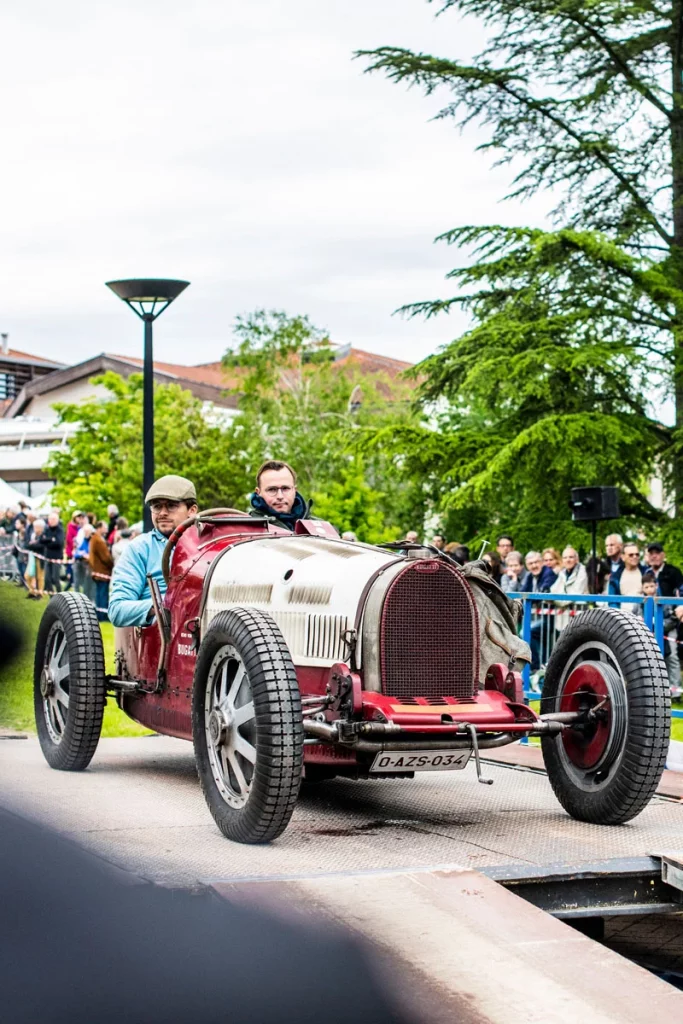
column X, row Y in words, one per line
column 8, row 386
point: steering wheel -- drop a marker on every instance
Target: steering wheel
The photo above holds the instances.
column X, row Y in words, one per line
column 208, row 514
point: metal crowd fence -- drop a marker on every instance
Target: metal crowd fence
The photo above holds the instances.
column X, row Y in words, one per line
column 546, row 615
column 8, row 563
column 10, row 570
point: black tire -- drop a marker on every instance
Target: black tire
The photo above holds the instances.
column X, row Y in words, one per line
column 69, row 709
column 607, row 773
column 249, row 761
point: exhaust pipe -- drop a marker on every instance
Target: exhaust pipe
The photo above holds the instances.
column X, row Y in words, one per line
column 321, row 731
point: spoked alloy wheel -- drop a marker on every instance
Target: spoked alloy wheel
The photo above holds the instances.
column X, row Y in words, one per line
column 55, row 683
column 607, row 666
column 247, row 725
column 230, row 726
column 69, row 682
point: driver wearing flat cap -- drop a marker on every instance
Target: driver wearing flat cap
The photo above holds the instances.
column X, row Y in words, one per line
column 172, row 500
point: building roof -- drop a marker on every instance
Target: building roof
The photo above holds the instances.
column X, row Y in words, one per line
column 370, row 362
column 13, row 355
column 216, row 375
column 207, row 391
column 205, row 373
column 207, row 381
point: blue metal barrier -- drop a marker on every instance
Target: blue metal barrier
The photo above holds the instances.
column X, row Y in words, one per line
column 550, row 609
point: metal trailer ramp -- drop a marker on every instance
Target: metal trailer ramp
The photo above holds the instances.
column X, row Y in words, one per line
column 459, row 947
column 139, row 804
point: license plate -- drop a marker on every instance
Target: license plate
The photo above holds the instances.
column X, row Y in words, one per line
column 425, row 761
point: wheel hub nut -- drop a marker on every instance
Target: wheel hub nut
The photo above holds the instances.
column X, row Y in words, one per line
column 219, row 725
column 46, row 683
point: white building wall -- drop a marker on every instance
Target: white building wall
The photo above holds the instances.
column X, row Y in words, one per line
column 77, row 391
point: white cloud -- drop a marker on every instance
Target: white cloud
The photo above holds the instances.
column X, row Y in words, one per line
column 238, row 146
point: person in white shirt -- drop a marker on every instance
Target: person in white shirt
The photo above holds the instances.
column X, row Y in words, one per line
column 628, row 581
column 572, row 579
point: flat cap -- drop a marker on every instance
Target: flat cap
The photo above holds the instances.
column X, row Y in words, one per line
column 172, row 488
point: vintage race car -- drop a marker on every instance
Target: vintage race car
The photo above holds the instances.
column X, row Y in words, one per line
column 288, row 656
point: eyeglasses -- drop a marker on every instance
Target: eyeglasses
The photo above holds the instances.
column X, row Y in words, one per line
column 272, row 491
column 168, row 506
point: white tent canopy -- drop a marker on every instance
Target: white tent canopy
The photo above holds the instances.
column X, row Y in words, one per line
column 8, row 496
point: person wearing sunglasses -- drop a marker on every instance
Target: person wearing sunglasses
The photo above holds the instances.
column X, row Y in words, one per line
column 276, row 496
column 171, row 499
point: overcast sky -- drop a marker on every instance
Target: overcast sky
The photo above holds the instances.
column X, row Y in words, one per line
column 236, row 145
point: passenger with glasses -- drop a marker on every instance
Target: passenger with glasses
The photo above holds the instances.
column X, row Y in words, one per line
column 171, row 499
column 276, row 496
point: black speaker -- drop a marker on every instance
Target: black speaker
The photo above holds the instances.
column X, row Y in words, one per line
column 591, row 503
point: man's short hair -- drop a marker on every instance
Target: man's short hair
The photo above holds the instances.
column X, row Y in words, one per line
column 649, row 577
column 504, row 536
column 570, row 548
column 531, row 554
column 515, row 556
column 274, row 466
column 632, row 544
column 100, row 523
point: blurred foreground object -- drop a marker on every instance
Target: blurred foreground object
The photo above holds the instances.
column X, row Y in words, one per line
column 78, row 944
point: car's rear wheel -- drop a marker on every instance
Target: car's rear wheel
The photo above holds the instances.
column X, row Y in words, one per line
column 247, row 725
column 607, row 665
column 69, row 685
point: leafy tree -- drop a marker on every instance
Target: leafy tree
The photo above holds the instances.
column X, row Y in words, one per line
column 295, row 404
column 576, row 340
column 103, row 462
column 352, row 504
column 298, row 405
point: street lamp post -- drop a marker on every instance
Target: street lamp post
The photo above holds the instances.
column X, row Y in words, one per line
column 148, row 299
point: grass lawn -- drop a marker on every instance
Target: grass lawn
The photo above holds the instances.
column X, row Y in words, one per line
column 16, row 685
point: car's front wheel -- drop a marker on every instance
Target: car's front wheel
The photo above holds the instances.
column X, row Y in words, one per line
column 247, row 725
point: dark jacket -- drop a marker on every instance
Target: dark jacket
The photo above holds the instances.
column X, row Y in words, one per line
column 53, row 541
column 35, row 544
column 544, row 581
column 300, row 510
column 669, row 580
column 614, row 586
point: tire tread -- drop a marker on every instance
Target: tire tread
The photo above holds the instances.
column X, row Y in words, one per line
column 279, row 724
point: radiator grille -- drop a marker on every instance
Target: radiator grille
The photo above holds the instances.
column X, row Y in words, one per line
column 429, row 634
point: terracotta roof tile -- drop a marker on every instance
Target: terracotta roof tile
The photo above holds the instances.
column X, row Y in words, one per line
column 371, row 362
column 214, row 374
column 31, row 358
column 210, row 373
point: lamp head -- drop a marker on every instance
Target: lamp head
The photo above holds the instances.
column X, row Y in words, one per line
column 146, row 296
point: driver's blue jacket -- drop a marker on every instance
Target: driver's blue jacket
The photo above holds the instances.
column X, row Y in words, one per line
column 130, row 599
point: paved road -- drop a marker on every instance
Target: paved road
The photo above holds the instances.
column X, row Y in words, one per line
column 139, row 804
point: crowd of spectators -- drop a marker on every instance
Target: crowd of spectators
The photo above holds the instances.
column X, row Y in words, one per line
column 631, row 569
column 45, row 556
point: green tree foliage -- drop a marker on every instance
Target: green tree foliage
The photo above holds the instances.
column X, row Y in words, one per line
column 295, row 404
column 298, row 405
column 103, row 462
column 352, row 504
column 576, row 340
